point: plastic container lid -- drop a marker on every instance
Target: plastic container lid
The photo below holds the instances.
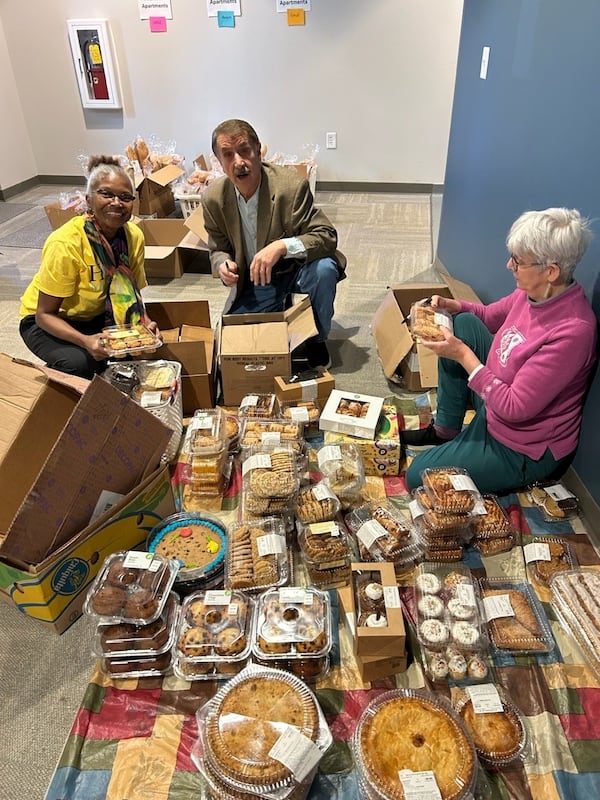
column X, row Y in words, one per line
column 575, row 599
column 257, row 432
column 258, row 405
column 122, row 640
column 206, row 433
column 547, row 556
column 342, row 467
column 317, row 503
column 132, row 587
column 120, row 340
column 257, row 556
column 515, row 617
column 143, row 667
column 450, row 489
column 500, row 737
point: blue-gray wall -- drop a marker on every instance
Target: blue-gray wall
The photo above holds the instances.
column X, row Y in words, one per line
column 528, row 137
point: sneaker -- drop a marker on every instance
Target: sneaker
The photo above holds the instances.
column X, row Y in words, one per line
column 317, row 354
column 424, row 437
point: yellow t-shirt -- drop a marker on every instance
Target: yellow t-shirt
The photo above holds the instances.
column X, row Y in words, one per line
column 69, row 269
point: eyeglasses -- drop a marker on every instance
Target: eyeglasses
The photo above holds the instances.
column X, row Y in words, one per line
column 517, row 265
column 125, row 197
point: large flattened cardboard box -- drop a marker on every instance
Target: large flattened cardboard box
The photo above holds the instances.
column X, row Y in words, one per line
column 254, row 348
column 188, row 337
column 403, row 361
column 155, row 194
column 62, row 452
column 173, row 247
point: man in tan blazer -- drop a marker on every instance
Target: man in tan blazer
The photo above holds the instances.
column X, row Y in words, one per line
column 267, row 239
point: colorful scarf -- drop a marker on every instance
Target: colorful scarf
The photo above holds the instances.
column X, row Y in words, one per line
column 124, row 303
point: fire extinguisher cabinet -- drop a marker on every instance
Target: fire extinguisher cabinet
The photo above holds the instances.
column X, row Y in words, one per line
column 94, row 63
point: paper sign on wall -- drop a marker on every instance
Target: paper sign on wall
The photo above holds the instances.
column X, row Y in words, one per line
column 158, row 24
column 286, row 5
column 226, row 19
column 295, row 16
column 213, row 7
column 155, row 8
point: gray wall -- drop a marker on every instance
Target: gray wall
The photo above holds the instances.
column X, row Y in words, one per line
column 526, row 138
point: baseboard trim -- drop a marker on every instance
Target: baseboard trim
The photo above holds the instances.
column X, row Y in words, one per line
column 31, row 183
column 367, row 186
column 589, row 508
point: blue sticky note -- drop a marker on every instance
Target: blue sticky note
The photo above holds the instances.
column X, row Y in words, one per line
column 226, row 19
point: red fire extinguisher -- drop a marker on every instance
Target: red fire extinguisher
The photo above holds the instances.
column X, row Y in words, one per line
column 95, row 68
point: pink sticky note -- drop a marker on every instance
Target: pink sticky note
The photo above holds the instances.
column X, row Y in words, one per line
column 158, row 24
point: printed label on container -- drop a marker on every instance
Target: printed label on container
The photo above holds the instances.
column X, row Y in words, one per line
column 536, row 551
column 485, row 698
column 150, row 399
column 465, row 594
column 462, row 483
column 299, row 413
column 558, row 492
column 416, row 509
column 249, row 400
column 391, row 597
column 497, row 606
column 270, row 543
column 141, row 560
column 258, row 461
column 370, row 532
column 270, row 438
column 220, row 597
column 296, row 752
column 319, row 528
column 331, row 452
column 310, row 390
column 320, row 491
column 293, row 594
column 419, row 785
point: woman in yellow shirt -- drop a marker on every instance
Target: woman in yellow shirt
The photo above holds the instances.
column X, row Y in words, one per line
column 90, row 276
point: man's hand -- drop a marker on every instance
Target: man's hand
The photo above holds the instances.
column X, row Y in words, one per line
column 228, row 272
column 264, row 261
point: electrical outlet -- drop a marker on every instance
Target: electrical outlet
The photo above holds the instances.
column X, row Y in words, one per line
column 331, row 141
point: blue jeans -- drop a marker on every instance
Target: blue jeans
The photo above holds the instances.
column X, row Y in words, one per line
column 318, row 279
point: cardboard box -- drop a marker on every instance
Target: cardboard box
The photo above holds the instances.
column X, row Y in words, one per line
column 359, row 424
column 389, row 641
column 310, row 385
column 255, row 348
column 173, row 247
column 188, row 337
column 308, row 170
column 58, row 215
column 53, row 591
column 374, row 669
column 403, row 362
column 60, row 451
column 381, row 455
column 155, row 194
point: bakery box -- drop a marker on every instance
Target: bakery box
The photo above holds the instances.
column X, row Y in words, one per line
column 314, row 384
column 351, row 413
column 382, row 455
column 373, row 668
column 403, row 361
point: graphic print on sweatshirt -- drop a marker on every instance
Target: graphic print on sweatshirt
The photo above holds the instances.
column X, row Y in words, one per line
column 511, row 337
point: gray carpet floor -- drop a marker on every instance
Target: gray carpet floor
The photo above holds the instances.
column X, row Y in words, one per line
column 388, row 239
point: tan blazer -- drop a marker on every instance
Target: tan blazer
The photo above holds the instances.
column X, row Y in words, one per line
column 285, row 208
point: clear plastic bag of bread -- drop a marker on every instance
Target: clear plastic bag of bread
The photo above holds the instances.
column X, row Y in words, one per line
column 427, row 322
column 148, row 156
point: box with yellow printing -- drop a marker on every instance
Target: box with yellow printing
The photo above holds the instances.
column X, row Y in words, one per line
column 54, row 590
column 381, row 455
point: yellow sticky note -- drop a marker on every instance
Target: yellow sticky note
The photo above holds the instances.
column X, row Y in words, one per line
column 295, row 16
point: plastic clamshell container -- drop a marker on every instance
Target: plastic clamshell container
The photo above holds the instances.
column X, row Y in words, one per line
column 213, row 636
column 449, row 619
column 132, row 587
column 143, row 667
column 555, row 502
column 515, row 617
column 546, row 556
column 263, row 706
column 342, row 467
column 206, row 433
column 292, row 630
column 257, row 556
column 576, row 601
column 258, row 405
column 272, row 432
column 427, row 322
column 270, row 479
column 120, row 340
column 384, row 534
column 383, row 745
column 122, row 640
column 317, row 503
column 308, row 412
column 500, row 737
column 197, row 542
column 326, row 553
column 450, row 489
column 149, row 383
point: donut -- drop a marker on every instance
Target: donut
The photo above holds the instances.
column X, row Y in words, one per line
column 195, row 642
column 452, row 579
column 273, row 647
column 141, row 604
column 430, row 606
column 230, row 642
column 465, row 633
column 428, row 583
column 108, row 601
column 119, row 575
column 459, row 610
column 434, row 632
column 314, row 646
column 438, row 667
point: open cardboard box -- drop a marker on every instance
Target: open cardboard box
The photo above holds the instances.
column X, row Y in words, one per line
column 174, row 246
column 155, row 194
column 255, row 348
column 57, row 215
column 403, row 361
column 188, row 337
column 311, row 385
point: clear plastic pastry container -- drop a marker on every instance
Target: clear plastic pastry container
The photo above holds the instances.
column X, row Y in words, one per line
column 308, row 412
column 213, row 636
column 293, row 631
column 197, row 542
column 132, row 587
column 121, row 640
column 500, row 736
column 142, row 667
column 206, row 474
column 261, row 404
column 270, row 479
column 450, row 489
column 317, row 503
column 341, row 465
column 232, row 432
column 427, row 322
column 121, row 340
column 576, row 602
column 515, row 617
column 384, row 534
column 149, row 383
column 257, row 432
column 206, row 433
column 407, row 731
column 546, row 556
column 257, row 555
column 450, row 624
column 262, row 735
column 554, row 500
column 326, row 553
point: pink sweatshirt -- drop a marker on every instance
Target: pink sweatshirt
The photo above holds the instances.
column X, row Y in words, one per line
column 534, row 381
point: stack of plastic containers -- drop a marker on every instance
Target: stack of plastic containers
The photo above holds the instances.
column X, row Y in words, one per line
column 343, row 470
column 206, row 446
column 492, row 532
column 136, row 612
column 257, row 555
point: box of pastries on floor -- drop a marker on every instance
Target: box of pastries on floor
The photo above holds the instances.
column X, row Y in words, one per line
column 352, row 413
column 382, row 454
column 79, row 468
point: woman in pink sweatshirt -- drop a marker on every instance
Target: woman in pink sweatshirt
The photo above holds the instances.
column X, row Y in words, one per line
column 523, row 362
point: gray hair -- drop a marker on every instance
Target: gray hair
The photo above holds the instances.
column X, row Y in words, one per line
column 101, row 167
column 555, row 236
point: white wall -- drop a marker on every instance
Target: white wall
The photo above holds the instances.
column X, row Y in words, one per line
column 378, row 72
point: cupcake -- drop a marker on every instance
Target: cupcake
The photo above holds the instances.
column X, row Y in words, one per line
column 370, row 596
column 457, row 667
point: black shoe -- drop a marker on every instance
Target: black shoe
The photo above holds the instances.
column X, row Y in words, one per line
column 425, row 437
column 317, row 354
